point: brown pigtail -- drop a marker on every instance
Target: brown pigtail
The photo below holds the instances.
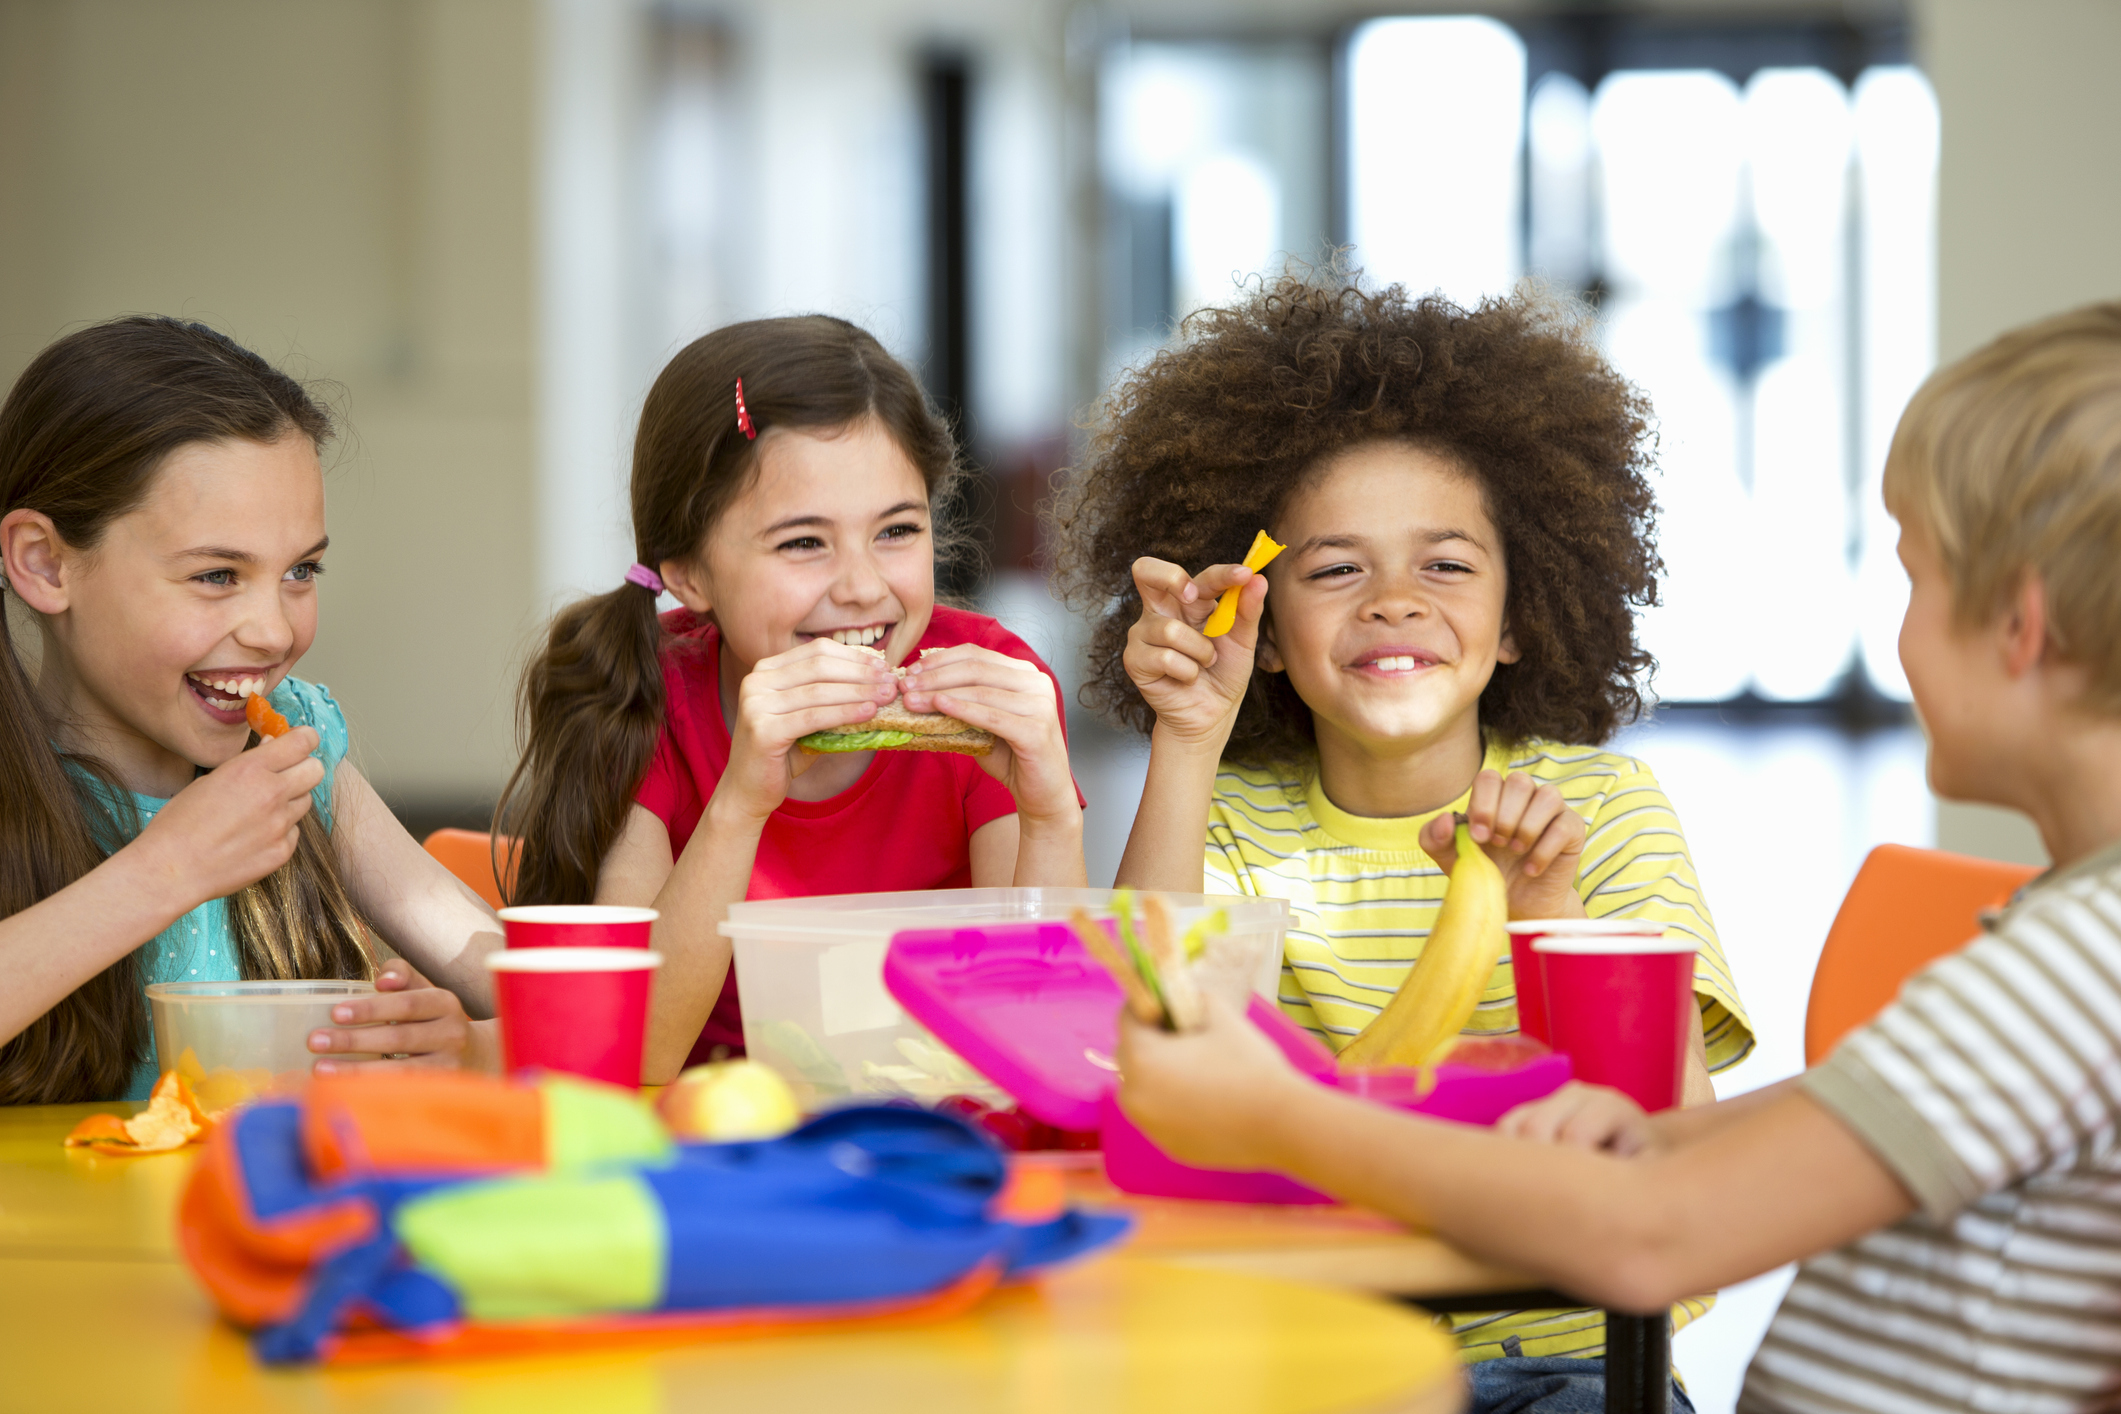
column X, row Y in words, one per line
column 590, row 708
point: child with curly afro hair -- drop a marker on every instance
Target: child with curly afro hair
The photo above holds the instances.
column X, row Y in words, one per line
column 1469, row 523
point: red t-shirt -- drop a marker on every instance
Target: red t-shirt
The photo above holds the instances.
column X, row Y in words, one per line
column 907, row 823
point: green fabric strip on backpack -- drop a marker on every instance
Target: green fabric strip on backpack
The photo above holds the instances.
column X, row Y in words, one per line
column 520, row 1248
column 593, row 1126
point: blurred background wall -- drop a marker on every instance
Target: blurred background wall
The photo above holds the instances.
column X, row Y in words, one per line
column 484, row 224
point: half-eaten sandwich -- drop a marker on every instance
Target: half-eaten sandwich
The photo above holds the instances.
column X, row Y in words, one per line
column 893, row 728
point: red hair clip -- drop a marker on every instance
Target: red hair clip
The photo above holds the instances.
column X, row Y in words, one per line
column 743, row 415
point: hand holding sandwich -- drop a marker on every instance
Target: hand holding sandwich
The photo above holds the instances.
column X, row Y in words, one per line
column 1013, row 702
column 821, row 686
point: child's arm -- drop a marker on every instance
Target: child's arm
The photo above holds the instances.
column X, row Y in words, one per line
column 818, row 687
column 1783, row 1180
column 227, row 829
column 1041, row 845
column 1195, row 684
column 1594, row 1117
column 429, row 915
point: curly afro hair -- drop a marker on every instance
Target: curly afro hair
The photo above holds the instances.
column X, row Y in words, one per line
column 1205, row 444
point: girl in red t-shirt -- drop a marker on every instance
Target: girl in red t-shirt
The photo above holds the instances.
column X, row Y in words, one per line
column 783, row 479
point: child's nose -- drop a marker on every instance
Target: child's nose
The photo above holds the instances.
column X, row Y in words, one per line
column 860, row 581
column 267, row 628
column 1398, row 598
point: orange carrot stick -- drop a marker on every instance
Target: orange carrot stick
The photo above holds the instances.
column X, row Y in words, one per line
column 263, row 719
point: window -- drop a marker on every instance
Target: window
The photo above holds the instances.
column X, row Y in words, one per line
column 1750, row 209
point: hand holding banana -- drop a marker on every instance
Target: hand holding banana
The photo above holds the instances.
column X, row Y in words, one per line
column 1530, row 832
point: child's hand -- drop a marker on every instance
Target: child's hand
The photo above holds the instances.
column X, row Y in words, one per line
column 1014, row 700
column 1583, row 1116
column 1531, row 834
column 424, row 1024
column 237, row 823
column 1201, row 1094
column 817, row 687
column 1194, row 682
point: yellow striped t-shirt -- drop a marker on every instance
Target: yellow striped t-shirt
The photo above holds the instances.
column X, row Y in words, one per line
column 1363, row 895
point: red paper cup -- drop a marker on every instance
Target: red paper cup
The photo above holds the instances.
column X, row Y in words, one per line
column 1617, row 1008
column 577, row 925
column 1530, row 978
column 579, row 1010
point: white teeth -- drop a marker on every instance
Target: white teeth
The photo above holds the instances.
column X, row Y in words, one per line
column 857, row 637
column 1404, row 663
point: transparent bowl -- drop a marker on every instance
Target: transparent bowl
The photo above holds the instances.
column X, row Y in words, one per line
column 234, row 1040
column 811, row 972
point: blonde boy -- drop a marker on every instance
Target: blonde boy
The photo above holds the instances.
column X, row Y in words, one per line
column 1951, row 1175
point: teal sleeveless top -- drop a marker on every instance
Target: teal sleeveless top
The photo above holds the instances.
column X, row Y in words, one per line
column 199, row 946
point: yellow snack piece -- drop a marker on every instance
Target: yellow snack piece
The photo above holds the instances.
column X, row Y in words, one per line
column 1262, row 553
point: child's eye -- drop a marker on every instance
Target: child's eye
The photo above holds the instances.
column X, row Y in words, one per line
column 305, row 572
column 1333, row 572
column 899, row 532
column 219, row 579
column 801, row 542
column 1451, row 567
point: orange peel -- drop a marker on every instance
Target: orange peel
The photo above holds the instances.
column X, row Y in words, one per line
column 172, row 1119
column 1262, row 553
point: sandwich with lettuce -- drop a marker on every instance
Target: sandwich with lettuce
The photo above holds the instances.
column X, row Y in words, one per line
column 894, row 728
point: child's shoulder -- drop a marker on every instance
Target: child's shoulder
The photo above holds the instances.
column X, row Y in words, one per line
column 948, row 627
column 2083, row 901
column 310, row 704
column 1559, row 764
column 1280, row 791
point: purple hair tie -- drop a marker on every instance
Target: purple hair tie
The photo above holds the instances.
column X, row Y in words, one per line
column 647, row 578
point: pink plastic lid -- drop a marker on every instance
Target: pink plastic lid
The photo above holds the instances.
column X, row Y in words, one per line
column 1024, row 1004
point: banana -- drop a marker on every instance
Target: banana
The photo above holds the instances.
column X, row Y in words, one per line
column 1433, row 1005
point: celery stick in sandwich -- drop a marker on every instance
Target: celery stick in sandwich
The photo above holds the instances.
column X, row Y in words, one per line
column 1123, row 915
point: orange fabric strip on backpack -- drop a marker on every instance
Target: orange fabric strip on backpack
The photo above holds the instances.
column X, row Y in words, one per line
column 420, row 1122
column 364, row 1347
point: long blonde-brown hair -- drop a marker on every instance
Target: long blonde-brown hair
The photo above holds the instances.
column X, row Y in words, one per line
column 82, row 434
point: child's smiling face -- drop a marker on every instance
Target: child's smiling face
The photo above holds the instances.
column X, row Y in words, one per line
column 830, row 540
column 210, row 580
column 1386, row 611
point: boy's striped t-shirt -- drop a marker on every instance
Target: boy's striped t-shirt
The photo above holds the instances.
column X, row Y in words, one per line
column 1363, row 895
column 1991, row 1089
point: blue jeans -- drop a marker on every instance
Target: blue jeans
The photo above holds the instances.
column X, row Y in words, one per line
column 1549, row 1385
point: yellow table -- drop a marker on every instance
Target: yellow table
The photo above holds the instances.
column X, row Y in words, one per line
column 97, row 1312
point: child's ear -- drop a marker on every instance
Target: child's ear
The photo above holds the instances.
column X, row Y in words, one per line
column 2024, row 626
column 1268, row 655
column 34, row 558
column 1507, row 650
column 687, row 584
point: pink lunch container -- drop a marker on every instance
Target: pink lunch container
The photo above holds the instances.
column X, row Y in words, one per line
column 1028, row 1007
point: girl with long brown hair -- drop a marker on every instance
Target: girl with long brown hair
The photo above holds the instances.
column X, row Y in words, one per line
column 785, row 477
column 162, row 525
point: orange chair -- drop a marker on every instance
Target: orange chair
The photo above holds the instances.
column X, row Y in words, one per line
column 1906, row 908
column 468, row 854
